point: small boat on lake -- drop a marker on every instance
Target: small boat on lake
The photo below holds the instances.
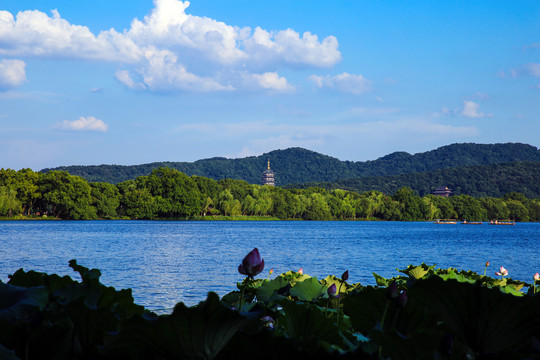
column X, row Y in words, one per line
column 465, row 222
column 445, row 221
column 502, row 222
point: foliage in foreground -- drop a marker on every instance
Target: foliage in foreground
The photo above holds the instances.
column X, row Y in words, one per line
column 425, row 313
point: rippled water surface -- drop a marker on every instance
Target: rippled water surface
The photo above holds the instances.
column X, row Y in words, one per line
column 165, row 262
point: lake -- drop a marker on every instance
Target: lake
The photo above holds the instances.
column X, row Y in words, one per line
column 166, row 262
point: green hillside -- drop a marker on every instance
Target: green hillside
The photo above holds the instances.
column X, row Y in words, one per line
column 297, row 165
column 479, row 181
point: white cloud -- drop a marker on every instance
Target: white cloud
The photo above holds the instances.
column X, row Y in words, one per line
column 470, row 109
column 12, row 73
column 534, row 69
column 481, row 96
column 170, row 49
column 88, row 123
column 267, row 81
column 287, row 48
column 345, row 82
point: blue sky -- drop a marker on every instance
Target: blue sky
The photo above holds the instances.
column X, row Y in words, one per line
column 131, row 82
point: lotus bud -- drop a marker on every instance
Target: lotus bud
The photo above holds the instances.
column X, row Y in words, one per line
column 300, row 271
column 345, row 276
column 536, row 277
column 487, row 263
column 392, row 291
column 331, row 290
column 401, row 300
column 271, row 271
column 252, row 264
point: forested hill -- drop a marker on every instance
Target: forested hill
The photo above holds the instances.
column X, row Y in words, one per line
column 297, row 165
column 493, row 180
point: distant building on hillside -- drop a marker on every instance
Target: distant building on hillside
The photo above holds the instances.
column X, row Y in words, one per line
column 268, row 176
column 442, row 191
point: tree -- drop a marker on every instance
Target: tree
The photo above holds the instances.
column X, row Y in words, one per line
column 9, row 204
column 66, row 196
column 138, row 203
column 106, row 199
column 412, row 207
column 517, row 210
column 468, row 208
column 180, row 195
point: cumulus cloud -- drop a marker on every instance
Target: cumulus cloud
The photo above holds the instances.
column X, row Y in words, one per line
column 88, row 123
column 12, row 73
column 170, row 49
column 346, row 83
column 470, row 109
column 267, row 81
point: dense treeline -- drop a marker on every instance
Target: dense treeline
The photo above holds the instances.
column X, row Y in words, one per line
column 478, row 181
column 297, row 165
column 168, row 193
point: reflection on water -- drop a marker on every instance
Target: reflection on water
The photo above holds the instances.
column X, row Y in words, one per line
column 167, row 262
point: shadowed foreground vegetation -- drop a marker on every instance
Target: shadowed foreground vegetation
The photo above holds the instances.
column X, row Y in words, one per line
column 424, row 313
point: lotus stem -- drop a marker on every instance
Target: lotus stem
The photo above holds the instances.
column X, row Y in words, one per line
column 382, row 326
column 242, row 298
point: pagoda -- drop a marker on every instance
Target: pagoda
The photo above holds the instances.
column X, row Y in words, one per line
column 268, row 176
column 442, row 191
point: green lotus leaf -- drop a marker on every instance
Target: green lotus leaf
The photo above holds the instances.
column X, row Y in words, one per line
column 308, row 290
column 198, row 332
column 365, row 308
column 486, row 320
column 381, row 281
column 459, row 277
column 308, row 324
column 417, row 272
column 16, row 303
column 6, row 354
column 269, row 289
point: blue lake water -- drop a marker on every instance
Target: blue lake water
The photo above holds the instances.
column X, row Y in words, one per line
column 166, row 262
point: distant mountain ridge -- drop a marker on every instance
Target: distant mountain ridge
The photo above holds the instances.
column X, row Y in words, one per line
column 493, row 180
column 298, row 165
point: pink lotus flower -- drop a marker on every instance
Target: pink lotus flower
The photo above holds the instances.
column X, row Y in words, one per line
column 252, row 264
column 502, row 272
column 536, row 277
column 300, row 271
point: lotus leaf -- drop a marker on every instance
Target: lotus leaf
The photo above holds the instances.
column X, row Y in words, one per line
column 485, row 320
column 308, row 290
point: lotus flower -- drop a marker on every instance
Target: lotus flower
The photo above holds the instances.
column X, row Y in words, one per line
column 300, row 271
column 252, row 264
column 487, row 263
column 331, row 290
column 536, row 277
column 502, row 272
column 345, row 276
